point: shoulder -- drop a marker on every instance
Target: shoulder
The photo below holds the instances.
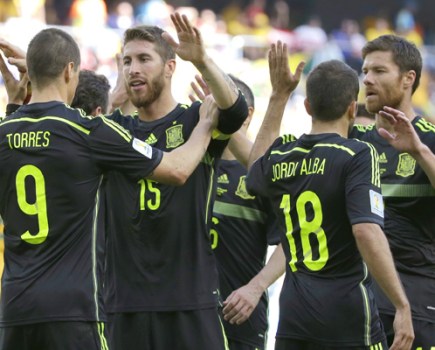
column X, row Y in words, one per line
column 423, row 126
column 356, row 146
column 359, row 130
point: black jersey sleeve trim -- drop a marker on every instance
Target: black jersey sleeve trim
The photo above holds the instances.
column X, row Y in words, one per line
column 232, row 118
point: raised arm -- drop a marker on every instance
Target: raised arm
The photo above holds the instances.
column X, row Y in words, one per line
column 405, row 139
column 17, row 89
column 241, row 303
column 176, row 166
column 283, row 83
column 190, row 47
column 375, row 251
column 240, row 145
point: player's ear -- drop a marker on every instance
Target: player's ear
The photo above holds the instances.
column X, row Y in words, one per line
column 307, row 106
column 170, row 68
column 69, row 71
column 249, row 117
column 352, row 110
column 409, row 78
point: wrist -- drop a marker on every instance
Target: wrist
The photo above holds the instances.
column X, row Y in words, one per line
column 279, row 95
column 203, row 63
column 419, row 151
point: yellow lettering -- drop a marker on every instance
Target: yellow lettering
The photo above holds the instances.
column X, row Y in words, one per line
column 322, row 167
column 313, row 166
column 9, row 140
column 46, row 139
column 304, row 169
column 283, row 170
column 29, row 139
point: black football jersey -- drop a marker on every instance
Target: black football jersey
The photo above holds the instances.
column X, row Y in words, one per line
column 242, row 228
column 319, row 186
column 52, row 161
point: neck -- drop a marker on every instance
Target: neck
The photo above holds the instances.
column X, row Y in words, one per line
column 49, row 93
column 339, row 126
column 164, row 104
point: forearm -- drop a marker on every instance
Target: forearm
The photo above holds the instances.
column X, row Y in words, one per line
column 274, row 269
column 426, row 159
column 222, row 87
column 240, row 146
column 270, row 127
column 176, row 166
column 375, row 250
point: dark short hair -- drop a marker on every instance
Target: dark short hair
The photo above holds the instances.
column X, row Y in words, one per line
column 405, row 54
column 245, row 89
column 92, row 92
column 331, row 87
column 49, row 52
column 152, row 34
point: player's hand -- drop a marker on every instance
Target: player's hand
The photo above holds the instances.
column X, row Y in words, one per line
column 401, row 134
column 18, row 90
column 403, row 330
column 190, row 46
column 209, row 111
column 119, row 96
column 200, row 89
column 281, row 77
column 240, row 304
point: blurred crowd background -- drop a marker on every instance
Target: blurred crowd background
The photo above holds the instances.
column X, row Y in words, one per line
column 238, row 34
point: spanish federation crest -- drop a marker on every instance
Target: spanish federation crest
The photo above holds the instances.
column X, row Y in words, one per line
column 241, row 189
column 406, row 166
column 174, row 136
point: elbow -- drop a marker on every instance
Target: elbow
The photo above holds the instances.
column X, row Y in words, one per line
column 178, row 177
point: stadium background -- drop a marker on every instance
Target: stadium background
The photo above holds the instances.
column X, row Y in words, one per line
column 237, row 35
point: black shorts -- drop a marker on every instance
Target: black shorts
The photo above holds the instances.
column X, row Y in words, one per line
column 54, row 336
column 424, row 332
column 290, row 344
column 171, row 330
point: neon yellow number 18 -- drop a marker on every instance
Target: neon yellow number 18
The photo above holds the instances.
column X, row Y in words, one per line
column 306, row 229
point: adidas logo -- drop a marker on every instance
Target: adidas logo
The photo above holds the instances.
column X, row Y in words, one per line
column 383, row 158
column 223, row 179
column 151, row 140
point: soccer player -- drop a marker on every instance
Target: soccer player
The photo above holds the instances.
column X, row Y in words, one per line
column 242, row 228
column 404, row 138
column 325, row 191
column 92, row 93
column 392, row 70
column 162, row 287
column 52, row 161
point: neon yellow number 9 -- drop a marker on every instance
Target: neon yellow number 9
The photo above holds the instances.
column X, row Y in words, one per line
column 38, row 208
column 306, row 229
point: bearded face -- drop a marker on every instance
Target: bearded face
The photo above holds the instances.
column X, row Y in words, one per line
column 383, row 81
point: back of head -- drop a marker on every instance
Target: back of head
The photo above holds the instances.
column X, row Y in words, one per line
column 405, row 54
column 152, row 34
column 331, row 87
column 49, row 52
column 245, row 89
column 92, row 92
